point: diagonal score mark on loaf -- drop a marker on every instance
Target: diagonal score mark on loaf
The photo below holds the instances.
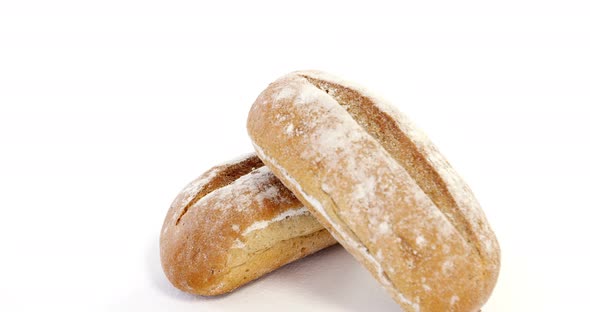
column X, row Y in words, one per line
column 222, row 176
column 383, row 128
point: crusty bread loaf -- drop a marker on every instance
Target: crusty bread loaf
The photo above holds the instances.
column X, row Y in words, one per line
column 232, row 225
column 380, row 187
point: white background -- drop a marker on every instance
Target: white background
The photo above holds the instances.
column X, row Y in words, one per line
column 108, row 108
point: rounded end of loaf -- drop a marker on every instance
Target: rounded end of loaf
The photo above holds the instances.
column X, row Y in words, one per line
column 192, row 245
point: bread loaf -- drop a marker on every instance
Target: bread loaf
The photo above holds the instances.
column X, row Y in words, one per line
column 232, row 225
column 380, row 187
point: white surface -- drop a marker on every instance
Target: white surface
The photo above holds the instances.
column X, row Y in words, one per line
column 108, row 108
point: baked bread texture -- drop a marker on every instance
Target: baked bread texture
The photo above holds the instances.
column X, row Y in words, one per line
column 380, row 187
column 232, row 225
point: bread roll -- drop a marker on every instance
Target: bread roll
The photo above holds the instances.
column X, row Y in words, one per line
column 380, row 187
column 232, row 225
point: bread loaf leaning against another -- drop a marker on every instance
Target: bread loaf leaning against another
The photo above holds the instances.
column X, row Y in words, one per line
column 232, row 225
column 380, row 187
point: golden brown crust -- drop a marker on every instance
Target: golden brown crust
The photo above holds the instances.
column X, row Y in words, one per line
column 380, row 187
column 233, row 224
